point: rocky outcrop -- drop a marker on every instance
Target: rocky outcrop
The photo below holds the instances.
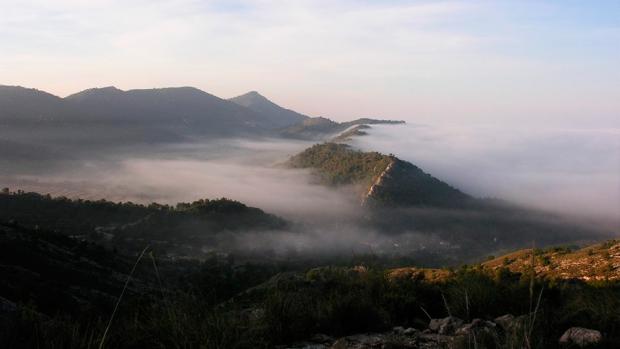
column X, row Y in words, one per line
column 404, row 184
column 580, row 337
column 377, row 183
column 449, row 332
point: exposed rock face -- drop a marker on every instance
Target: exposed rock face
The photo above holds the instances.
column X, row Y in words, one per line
column 404, row 184
column 580, row 336
column 377, row 183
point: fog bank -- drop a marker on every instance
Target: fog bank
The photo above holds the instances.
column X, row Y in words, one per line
column 571, row 171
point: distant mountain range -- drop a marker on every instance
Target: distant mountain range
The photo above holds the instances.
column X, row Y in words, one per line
column 108, row 115
column 151, row 115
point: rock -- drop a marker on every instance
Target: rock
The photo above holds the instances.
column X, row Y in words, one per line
column 445, row 326
column 469, row 328
column 307, row 345
column 580, row 336
column 410, row 332
column 434, row 325
column 477, row 325
column 6, row 306
column 505, row 321
column 433, row 341
column 8, row 311
column 511, row 324
column 398, row 330
column 318, row 341
column 322, row 338
column 359, row 341
column 374, row 341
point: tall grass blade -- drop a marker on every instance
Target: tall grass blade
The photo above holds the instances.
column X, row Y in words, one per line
column 120, row 298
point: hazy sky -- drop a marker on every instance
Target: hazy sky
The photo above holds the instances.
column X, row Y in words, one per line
column 523, row 62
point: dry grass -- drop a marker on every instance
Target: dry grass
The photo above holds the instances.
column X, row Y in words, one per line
column 593, row 263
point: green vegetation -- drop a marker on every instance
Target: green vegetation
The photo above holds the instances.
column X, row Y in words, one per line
column 338, row 164
column 383, row 180
column 335, row 301
column 129, row 226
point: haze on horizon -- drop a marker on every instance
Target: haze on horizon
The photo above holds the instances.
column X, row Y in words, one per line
column 525, row 63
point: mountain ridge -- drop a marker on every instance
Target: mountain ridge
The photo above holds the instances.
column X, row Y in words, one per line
column 381, row 179
column 110, row 114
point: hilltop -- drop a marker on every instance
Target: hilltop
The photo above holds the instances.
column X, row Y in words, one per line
column 278, row 116
column 379, row 179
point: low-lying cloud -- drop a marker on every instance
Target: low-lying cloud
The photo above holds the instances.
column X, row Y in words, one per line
column 245, row 170
column 572, row 171
column 568, row 171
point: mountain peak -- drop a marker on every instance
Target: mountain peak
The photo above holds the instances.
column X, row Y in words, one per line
column 252, row 95
column 96, row 91
column 260, row 104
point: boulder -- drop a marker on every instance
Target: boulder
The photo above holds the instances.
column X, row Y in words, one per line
column 445, row 326
column 511, row 324
column 398, row 330
column 477, row 325
column 505, row 321
column 410, row 331
column 580, row 336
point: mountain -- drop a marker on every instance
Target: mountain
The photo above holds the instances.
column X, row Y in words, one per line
column 109, row 116
column 25, row 106
column 380, row 179
column 112, row 116
column 320, row 128
column 185, row 110
column 281, row 117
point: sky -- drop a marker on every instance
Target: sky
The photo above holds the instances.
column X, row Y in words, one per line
column 551, row 63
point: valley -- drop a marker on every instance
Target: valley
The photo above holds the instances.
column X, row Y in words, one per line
column 237, row 223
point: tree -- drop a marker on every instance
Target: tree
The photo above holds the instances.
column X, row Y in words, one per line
column 5, row 191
